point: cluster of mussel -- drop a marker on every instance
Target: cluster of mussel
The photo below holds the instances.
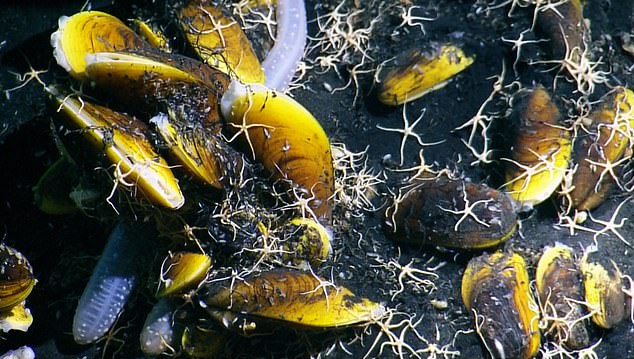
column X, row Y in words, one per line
column 579, row 158
column 194, row 110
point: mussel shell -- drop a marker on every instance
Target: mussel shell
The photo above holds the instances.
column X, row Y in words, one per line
column 89, row 32
column 219, row 41
column 603, row 289
column 182, row 271
column 542, row 149
column 52, row 191
column 310, row 241
column 566, row 28
column 124, row 140
column 286, row 138
column 423, row 214
column 560, row 288
column 607, row 141
column 291, row 297
column 421, row 72
column 495, row 287
column 16, row 277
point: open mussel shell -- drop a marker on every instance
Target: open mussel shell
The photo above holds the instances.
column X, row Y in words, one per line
column 452, row 213
column 600, row 153
column 182, row 271
column 89, row 32
column 539, row 157
column 560, row 287
column 421, row 72
column 286, row 138
column 124, row 141
column 310, row 241
column 603, row 289
column 219, row 40
column 16, row 278
column 495, row 288
column 293, row 297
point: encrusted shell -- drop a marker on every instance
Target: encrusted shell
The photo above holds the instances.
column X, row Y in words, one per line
column 421, row 72
column 540, row 154
column 451, row 213
column 495, row 288
column 310, row 241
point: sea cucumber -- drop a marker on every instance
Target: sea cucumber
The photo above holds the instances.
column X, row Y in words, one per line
column 282, row 61
column 111, row 283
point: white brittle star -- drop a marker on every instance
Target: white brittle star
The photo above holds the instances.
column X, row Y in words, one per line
column 468, row 209
column 408, row 131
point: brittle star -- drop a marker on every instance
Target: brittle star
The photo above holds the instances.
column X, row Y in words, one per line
column 468, row 209
column 407, row 131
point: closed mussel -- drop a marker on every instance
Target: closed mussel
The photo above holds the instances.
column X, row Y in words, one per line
column 453, row 213
column 289, row 296
column 495, row 288
column 560, row 288
column 603, row 289
column 420, row 72
column 602, row 150
column 539, row 157
column 309, row 241
column 219, row 41
column 16, row 277
column 182, row 271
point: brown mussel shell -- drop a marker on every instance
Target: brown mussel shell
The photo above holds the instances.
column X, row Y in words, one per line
column 452, row 213
column 560, row 288
column 495, row 288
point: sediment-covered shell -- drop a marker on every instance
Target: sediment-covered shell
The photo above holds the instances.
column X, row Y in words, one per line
column 601, row 151
column 565, row 27
column 451, row 213
column 89, row 32
column 495, row 288
column 16, row 278
column 182, row 271
column 199, row 342
column 421, row 72
column 219, row 41
column 310, row 241
column 560, row 288
column 603, row 289
column 286, row 138
column 124, row 140
column 539, row 157
column 293, row 297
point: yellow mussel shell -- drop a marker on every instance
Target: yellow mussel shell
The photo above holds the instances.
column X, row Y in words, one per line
column 293, row 297
column 52, row 191
column 153, row 36
column 560, row 288
column 541, row 152
column 89, row 32
column 123, row 140
column 433, row 211
column 422, row 72
column 566, row 28
column 603, row 289
column 220, row 42
column 16, row 278
column 495, row 288
column 286, row 138
column 598, row 151
column 182, row 271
